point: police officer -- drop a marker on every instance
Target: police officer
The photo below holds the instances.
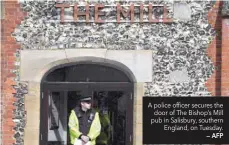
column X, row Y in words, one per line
column 84, row 124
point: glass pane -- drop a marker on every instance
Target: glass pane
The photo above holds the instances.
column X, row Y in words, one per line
column 73, row 100
column 54, row 110
column 114, row 104
column 56, row 76
column 87, row 73
column 60, row 106
column 57, row 134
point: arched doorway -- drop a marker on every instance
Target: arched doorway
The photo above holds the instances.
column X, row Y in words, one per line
column 60, row 88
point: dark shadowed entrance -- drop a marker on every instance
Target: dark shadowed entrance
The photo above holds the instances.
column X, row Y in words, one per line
column 61, row 87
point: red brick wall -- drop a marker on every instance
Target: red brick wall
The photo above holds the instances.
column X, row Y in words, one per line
column 13, row 16
column 225, row 57
column 214, row 51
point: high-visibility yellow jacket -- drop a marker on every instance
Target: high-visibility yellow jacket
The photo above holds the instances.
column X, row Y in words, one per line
column 94, row 130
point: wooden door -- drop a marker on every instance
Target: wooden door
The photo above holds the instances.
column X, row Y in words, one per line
column 54, row 112
column 129, row 117
column 61, row 90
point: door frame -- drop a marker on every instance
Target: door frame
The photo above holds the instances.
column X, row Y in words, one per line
column 47, row 87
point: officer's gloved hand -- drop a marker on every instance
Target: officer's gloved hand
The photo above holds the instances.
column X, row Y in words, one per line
column 85, row 138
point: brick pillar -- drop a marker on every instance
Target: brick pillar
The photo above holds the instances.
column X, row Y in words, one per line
column 12, row 17
column 225, row 57
column 214, row 50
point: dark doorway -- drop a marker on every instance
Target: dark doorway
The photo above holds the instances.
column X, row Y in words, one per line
column 60, row 89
